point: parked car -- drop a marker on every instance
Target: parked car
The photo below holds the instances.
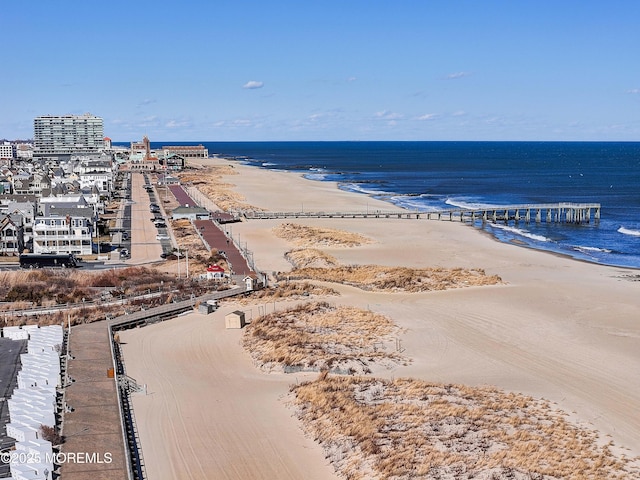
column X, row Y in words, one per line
column 124, row 253
column 162, row 236
column 160, row 225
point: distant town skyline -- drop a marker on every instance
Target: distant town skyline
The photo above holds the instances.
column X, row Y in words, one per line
column 285, row 70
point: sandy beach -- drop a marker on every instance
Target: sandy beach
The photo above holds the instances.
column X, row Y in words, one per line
column 559, row 329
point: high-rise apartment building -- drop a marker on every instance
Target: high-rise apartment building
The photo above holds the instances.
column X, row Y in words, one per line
column 59, row 136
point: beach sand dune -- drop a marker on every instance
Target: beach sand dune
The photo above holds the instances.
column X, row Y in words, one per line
column 558, row 329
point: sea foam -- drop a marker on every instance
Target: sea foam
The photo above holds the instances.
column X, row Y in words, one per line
column 521, row 232
column 466, row 202
column 627, row 231
column 591, row 249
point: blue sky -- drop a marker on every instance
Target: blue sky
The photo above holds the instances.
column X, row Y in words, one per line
column 238, row 70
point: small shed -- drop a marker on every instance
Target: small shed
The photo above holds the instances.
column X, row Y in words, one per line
column 234, row 319
column 250, row 282
column 208, row 307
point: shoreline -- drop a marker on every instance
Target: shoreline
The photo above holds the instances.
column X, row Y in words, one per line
column 338, row 185
column 560, row 329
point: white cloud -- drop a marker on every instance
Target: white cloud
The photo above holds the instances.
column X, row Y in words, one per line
column 242, row 122
column 459, row 113
column 634, row 91
column 386, row 115
column 177, row 124
column 253, row 84
column 351, row 79
column 146, row 101
column 427, row 116
column 453, row 76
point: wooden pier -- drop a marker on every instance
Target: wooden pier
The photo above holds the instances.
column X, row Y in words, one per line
column 563, row 212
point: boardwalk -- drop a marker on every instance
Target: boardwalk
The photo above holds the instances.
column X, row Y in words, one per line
column 93, row 427
column 182, row 197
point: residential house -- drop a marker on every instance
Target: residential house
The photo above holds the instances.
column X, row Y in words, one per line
column 38, row 184
column 27, row 211
column 64, row 226
column 11, row 235
column 5, row 184
column 70, row 233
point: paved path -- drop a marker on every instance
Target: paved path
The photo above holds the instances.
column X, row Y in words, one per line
column 94, row 425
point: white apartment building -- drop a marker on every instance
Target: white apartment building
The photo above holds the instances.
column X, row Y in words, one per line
column 7, row 150
column 57, row 137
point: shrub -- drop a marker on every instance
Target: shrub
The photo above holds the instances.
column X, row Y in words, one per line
column 50, row 434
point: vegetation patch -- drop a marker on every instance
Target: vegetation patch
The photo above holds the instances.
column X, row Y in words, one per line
column 307, row 236
column 376, row 429
column 310, row 257
column 85, row 296
column 209, row 181
column 316, row 336
column 400, row 279
column 286, row 291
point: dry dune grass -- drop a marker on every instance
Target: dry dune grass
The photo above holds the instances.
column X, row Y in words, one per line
column 316, row 336
column 307, row 236
column 310, row 257
column 399, row 279
column 286, row 291
column 86, row 296
column 377, row 429
column 209, row 181
column 314, row 264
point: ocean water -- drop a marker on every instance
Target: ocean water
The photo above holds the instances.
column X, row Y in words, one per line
column 427, row 176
